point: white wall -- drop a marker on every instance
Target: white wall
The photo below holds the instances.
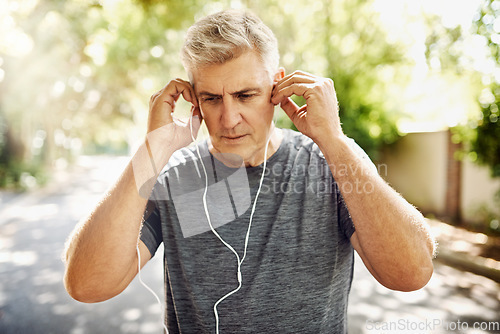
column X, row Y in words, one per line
column 416, row 167
column 478, row 189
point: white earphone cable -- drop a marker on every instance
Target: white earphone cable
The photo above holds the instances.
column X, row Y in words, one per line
column 247, row 236
column 205, row 206
column 149, row 289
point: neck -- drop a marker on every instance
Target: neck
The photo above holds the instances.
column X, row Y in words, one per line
column 273, row 143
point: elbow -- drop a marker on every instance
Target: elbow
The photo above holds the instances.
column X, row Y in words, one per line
column 78, row 291
column 417, row 272
column 77, row 294
column 413, row 278
column 420, row 280
column 74, row 289
column 85, row 291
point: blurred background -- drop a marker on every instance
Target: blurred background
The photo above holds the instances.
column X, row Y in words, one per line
column 419, row 89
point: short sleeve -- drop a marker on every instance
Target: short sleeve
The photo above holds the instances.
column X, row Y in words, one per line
column 344, row 218
column 151, row 228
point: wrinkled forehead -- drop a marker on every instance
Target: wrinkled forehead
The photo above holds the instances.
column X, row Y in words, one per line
column 246, row 70
column 248, row 64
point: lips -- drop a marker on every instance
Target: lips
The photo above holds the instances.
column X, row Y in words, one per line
column 233, row 139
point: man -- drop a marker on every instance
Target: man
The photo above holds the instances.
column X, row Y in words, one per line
column 282, row 264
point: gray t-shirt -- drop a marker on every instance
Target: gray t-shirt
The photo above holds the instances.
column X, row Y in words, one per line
column 299, row 263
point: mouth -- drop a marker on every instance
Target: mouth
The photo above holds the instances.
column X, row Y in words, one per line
column 233, row 139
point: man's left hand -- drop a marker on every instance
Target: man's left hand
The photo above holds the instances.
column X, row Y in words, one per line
column 318, row 118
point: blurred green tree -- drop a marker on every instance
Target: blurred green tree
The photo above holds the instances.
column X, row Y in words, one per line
column 72, row 74
column 343, row 40
column 76, row 76
column 357, row 72
column 447, row 47
column 485, row 142
column 445, row 44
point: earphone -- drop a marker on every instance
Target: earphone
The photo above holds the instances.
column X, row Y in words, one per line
column 205, row 207
column 149, row 289
column 240, row 262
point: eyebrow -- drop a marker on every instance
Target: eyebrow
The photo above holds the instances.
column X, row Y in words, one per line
column 240, row 92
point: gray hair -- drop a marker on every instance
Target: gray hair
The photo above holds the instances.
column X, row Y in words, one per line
column 226, row 35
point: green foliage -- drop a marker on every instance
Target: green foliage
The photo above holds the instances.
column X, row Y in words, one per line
column 441, row 44
column 486, row 143
column 20, row 175
column 362, row 95
column 343, row 40
column 14, row 173
column 81, row 82
column 485, row 25
column 444, row 45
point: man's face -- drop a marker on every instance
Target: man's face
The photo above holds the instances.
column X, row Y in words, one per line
column 234, row 100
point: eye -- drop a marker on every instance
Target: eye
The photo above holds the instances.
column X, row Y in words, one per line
column 244, row 97
column 211, row 99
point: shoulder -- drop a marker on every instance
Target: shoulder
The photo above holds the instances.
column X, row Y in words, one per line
column 300, row 143
column 184, row 157
column 297, row 142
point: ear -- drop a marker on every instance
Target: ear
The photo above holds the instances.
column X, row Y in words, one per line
column 280, row 74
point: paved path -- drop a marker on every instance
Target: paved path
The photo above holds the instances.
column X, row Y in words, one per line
column 34, row 226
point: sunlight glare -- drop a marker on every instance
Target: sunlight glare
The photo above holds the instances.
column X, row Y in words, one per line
column 157, row 51
column 19, row 258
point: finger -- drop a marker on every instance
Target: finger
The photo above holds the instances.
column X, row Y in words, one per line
column 280, row 87
column 195, row 111
column 296, row 78
column 298, row 73
column 178, row 87
column 172, row 91
column 189, row 96
column 287, row 91
column 154, row 96
column 290, row 108
column 165, row 99
column 187, row 92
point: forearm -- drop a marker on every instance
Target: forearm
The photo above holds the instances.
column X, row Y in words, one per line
column 101, row 256
column 392, row 234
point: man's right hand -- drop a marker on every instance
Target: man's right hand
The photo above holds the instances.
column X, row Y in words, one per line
column 162, row 125
column 101, row 258
column 166, row 133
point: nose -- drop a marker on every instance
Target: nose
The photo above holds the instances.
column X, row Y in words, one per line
column 230, row 115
